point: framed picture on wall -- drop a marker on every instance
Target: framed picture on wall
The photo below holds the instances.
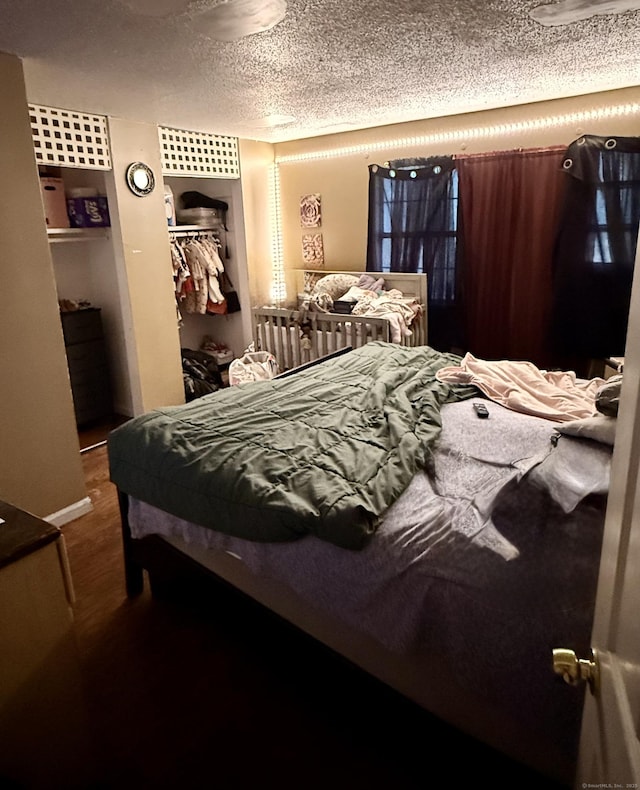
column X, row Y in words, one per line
column 313, row 249
column 310, row 211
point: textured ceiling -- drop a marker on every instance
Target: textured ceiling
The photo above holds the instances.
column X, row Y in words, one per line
column 332, row 65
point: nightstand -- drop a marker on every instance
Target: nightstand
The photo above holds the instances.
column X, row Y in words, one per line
column 44, row 733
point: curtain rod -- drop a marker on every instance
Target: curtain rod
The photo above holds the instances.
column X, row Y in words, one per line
column 506, row 151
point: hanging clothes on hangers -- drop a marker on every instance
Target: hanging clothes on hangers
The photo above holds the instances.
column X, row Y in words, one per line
column 196, row 267
column 181, row 273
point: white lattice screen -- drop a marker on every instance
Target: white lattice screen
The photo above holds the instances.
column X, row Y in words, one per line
column 70, row 139
column 201, row 154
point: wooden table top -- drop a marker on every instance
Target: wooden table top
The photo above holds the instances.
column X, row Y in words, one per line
column 22, row 533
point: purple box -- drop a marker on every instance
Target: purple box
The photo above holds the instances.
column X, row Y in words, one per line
column 88, row 212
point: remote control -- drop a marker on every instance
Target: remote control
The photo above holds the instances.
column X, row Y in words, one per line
column 481, row 410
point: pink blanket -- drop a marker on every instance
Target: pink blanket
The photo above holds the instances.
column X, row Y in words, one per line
column 522, row 387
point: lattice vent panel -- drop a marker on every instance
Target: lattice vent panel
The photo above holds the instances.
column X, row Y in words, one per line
column 70, row 139
column 199, row 154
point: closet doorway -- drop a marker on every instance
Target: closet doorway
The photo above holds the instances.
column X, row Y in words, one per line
column 89, row 303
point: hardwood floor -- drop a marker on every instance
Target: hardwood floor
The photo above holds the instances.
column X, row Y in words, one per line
column 95, row 434
column 182, row 695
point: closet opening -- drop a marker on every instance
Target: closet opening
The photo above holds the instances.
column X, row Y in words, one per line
column 206, row 235
column 79, row 231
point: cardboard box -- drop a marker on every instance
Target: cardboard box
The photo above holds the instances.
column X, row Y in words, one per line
column 54, row 201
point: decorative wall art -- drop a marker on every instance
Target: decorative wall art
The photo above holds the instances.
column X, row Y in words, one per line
column 140, row 179
column 310, row 214
column 313, row 249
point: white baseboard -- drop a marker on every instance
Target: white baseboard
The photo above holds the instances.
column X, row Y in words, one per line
column 70, row 513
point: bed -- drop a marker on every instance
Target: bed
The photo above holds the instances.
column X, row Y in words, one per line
column 363, row 500
column 310, row 327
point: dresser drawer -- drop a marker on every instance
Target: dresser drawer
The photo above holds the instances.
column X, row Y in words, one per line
column 95, row 378
column 79, row 326
column 91, row 397
column 88, row 364
column 86, row 355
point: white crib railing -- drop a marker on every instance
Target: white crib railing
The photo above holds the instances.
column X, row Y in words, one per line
column 294, row 339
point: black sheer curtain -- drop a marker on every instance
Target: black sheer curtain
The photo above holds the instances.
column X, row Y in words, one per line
column 413, row 221
column 595, row 250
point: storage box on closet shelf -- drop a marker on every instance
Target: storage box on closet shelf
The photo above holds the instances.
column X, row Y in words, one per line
column 53, row 198
column 208, row 217
column 87, row 208
column 169, row 206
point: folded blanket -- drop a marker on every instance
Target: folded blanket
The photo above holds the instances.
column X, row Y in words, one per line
column 522, row 387
column 392, row 305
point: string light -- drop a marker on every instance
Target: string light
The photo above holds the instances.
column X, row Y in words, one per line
column 479, row 132
column 278, row 284
column 278, row 290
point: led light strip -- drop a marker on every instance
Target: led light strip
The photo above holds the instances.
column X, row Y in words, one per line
column 473, row 133
column 278, row 289
column 278, row 284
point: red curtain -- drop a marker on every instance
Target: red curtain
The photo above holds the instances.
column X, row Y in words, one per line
column 510, row 206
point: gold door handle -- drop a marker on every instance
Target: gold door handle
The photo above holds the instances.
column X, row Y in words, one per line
column 575, row 670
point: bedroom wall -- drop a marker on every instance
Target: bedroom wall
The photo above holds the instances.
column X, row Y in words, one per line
column 40, row 467
column 322, row 165
column 256, row 162
column 144, row 271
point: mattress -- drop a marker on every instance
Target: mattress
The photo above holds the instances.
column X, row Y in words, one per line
column 476, row 573
column 441, row 529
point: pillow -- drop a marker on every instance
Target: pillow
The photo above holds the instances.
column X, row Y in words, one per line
column 370, row 283
column 608, row 396
column 309, row 281
column 600, row 428
column 355, row 293
column 334, row 285
column 572, row 471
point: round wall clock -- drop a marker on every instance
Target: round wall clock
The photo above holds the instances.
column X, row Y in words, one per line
column 140, row 179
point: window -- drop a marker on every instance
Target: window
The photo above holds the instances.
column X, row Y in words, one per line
column 600, row 245
column 413, row 227
column 595, row 250
column 432, row 248
column 413, row 222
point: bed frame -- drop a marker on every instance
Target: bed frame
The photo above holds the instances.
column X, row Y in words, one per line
column 278, row 329
column 181, row 572
column 177, row 569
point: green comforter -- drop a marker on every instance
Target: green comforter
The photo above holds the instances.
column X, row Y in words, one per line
column 325, row 451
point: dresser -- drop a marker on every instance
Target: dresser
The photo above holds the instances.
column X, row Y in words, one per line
column 88, row 364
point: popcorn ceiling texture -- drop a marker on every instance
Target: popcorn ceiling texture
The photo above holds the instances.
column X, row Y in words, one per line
column 331, row 64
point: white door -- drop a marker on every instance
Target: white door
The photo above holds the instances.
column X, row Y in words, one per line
column 610, row 745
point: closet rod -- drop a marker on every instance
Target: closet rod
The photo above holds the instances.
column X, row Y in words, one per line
column 176, row 231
